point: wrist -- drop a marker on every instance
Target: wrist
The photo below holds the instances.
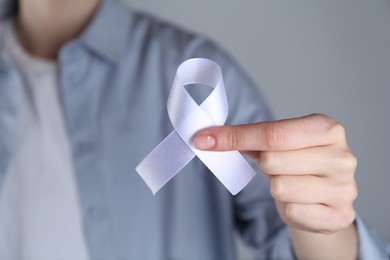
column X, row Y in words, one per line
column 338, row 245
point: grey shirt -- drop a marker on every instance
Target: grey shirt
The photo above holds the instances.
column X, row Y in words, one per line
column 114, row 83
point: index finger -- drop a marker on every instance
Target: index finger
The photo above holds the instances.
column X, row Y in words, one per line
column 287, row 134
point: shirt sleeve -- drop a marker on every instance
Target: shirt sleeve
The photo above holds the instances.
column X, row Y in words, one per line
column 371, row 246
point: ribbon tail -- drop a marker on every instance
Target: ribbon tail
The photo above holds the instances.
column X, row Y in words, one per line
column 164, row 162
column 230, row 168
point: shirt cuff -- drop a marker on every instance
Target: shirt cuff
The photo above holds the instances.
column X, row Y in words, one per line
column 371, row 246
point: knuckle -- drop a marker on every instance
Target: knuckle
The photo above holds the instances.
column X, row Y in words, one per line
column 275, row 135
column 276, row 188
column 345, row 189
column 348, row 160
column 337, row 132
column 347, row 164
column 291, row 213
column 347, row 195
column 266, row 162
column 340, row 219
column 232, row 138
column 347, row 216
column 351, row 161
column 330, row 224
column 352, row 192
column 355, row 192
column 334, row 129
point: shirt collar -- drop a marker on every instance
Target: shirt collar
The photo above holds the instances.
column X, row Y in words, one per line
column 108, row 32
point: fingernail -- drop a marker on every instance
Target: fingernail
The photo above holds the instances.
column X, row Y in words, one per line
column 204, row 142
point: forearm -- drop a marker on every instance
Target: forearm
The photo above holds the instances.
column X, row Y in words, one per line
column 340, row 245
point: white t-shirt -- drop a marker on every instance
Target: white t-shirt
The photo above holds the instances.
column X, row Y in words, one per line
column 40, row 215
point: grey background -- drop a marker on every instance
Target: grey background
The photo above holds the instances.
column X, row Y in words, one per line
column 331, row 57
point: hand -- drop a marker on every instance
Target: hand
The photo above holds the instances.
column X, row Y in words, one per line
column 309, row 164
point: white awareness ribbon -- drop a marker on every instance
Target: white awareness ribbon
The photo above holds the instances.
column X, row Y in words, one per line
column 187, row 117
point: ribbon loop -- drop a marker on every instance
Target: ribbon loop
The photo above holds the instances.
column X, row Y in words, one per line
column 187, row 117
